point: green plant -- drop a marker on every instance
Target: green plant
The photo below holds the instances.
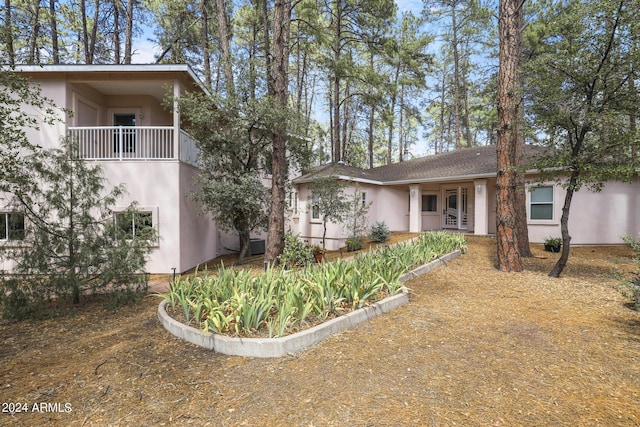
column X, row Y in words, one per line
column 295, row 252
column 635, row 291
column 380, row 232
column 632, row 241
column 16, row 300
column 356, row 220
column 235, row 303
column 328, row 202
column 355, row 243
column 553, row 241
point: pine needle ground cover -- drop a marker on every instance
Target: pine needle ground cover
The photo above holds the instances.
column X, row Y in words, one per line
column 474, row 347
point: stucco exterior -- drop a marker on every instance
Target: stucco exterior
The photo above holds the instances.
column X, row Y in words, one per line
column 457, row 191
column 159, row 181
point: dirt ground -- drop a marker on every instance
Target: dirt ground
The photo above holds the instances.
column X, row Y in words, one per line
column 474, row 347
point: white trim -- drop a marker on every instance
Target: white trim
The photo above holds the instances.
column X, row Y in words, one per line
column 554, row 219
column 6, row 230
column 441, row 179
column 154, row 218
column 132, row 68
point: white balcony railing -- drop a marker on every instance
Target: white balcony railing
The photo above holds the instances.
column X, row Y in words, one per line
column 134, row 143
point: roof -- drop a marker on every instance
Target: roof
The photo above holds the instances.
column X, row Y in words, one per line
column 117, row 79
column 338, row 170
column 465, row 163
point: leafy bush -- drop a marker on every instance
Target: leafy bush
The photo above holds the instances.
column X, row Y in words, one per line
column 295, row 253
column 632, row 241
column 279, row 301
column 355, row 243
column 380, row 232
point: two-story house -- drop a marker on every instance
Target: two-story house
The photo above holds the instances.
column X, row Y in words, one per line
column 120, row 121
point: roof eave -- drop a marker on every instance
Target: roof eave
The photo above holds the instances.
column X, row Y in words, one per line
column 126, row 68
column 440, row 179
column 341, row 177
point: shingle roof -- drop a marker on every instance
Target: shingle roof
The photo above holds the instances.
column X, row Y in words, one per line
column 459, row 164
column 337, row 170
column 464, row 162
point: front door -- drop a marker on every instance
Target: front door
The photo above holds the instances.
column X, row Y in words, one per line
column 450, row 211
column 124, row 134
column 456, row 206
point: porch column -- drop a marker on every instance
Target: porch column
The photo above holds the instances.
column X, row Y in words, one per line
column 176, row 120
column 481, row 207
column 415, row 209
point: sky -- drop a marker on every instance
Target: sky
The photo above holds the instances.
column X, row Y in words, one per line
column 146, row 51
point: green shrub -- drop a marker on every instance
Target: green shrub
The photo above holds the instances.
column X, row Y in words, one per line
column 380, row 232
column 632, row 241
column 355, row 243
column 18, row 300
column 295, row 253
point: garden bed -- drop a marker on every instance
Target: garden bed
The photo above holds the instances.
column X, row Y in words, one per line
column 282, row 346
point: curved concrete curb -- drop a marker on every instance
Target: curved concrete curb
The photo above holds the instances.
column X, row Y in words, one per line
column 278, row 347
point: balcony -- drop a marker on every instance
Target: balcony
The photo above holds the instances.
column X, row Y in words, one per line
column 144, row 143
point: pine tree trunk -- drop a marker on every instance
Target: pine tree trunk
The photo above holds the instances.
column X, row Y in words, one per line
column 116, row 32
column 456, row 75
column 8, row 33
column 521, row 192
column 35, row 30
column 282, row 23
column 85, row 30
column 225, row 47
column 94, row 33
column 335, row 128
column 372, row 109
column 204, row 42
column 128, row 41
column 53, row 20
column 509, row 258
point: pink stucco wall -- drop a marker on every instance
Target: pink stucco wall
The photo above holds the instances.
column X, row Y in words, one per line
column 594, row 218
column 161, row 186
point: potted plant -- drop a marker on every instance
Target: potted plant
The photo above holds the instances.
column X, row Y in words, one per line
column 318, row 253
column 552, row 244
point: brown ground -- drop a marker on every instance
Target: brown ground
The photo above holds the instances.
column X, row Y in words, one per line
column 474, row 347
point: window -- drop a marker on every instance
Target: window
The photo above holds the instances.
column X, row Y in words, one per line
column 429, row 203
column 292, row 202
column 541, row 206
column 136, row 224
column 11, row 226
column 315, row 206
column 364, row 199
